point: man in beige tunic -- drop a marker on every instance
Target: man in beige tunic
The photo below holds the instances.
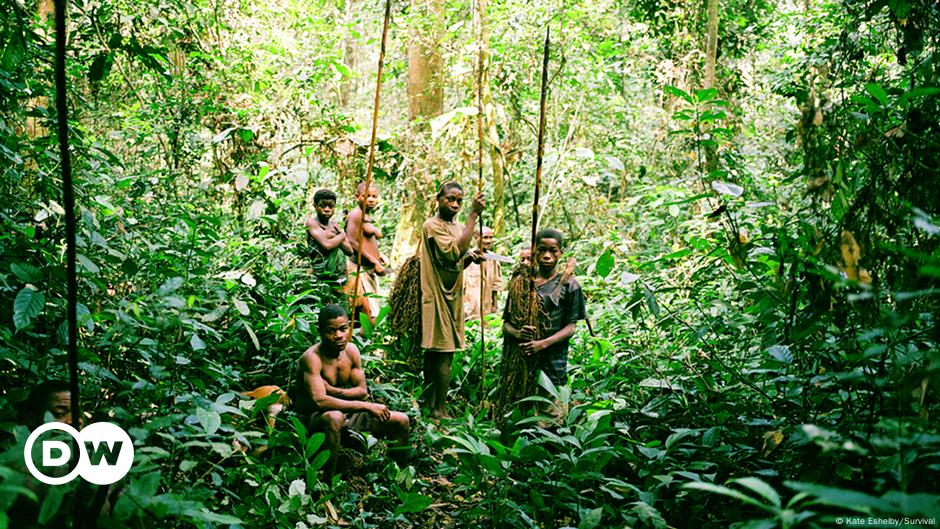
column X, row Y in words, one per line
column 489, row 274
column 443, row 255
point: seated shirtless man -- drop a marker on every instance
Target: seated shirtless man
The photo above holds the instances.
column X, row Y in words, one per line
column 332, row 389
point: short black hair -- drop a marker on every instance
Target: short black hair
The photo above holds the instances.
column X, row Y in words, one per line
column 447, row 186
column 324, row 194
column 37, row 403
column 330, row 311
column 550, row 233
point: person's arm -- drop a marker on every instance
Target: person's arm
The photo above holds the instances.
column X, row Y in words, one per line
column 357, row 389
column 536, row 346
column 345, row 246
column 353, row 222
column 573, row 303
column 463, row 242
column 326, row 238
column 316, row 387
column 508, row 329
column 371, row 229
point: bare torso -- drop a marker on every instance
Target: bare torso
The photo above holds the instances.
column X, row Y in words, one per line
column 335, row 371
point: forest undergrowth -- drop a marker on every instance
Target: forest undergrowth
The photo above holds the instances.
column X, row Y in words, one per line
column 759, row 257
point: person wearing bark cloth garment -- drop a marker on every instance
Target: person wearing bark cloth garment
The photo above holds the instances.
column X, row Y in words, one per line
column 332, row 392
column 327, row 243
column 443, row 255
column 373, row 262
column 490, row 274
column 564, row 303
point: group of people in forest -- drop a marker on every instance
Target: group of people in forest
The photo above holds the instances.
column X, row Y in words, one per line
column 331, row 389
column 330, row 392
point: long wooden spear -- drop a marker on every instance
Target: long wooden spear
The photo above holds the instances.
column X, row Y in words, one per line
column 538, row 174
column 375, row 125
column 480, row 8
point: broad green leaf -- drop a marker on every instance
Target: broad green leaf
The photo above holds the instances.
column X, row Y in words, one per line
column 313, row 444
column 26, row 273
column 706, row 94
column 207, row 516
column 780, row 353
column 583, row 152
column 649, row 514
column 844, row 498
column 729, row 189
column 760, row 487
column 51, row 503
column 241, row 307
column 877, row 92
column 673, row 91
column 320, row 460
column 591, row 519
column 169, row 286
column 251, row 334
column 605, row 263
column 87, row 264
column 412, row 502
column 27, row 305
column 196, row 343
column 297, row 488
column 725, row 491
column 614, row 163
column 917, row 92
column 210, row 420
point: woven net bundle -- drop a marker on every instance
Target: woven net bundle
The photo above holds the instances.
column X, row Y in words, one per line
column 404, row 301
column 517, row 370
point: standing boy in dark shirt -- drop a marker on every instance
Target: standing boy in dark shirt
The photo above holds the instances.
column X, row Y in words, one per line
column 564, row 302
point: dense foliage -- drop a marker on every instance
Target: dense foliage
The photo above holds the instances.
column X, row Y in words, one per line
column 761, row 257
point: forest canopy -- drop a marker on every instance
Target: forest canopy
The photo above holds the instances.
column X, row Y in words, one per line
column 748, row 192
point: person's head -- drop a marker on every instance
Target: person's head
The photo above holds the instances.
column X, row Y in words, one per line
column 525, row 256
column 548, row 248
column 486, row 236
column 371, row 198
column 53, row 396
column 449, row 200
column 324, row 201
column 333, row 325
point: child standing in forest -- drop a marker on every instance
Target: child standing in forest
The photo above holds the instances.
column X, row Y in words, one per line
column 373, row 262
column 564, row 304
column 327, row 244
column 443, row 255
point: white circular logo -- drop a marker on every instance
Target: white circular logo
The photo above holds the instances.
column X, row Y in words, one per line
column 105, row 453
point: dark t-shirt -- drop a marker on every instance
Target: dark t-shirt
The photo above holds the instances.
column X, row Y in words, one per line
column 564, row 304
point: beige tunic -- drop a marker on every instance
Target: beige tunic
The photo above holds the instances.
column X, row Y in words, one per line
column 441, row 286
column 492, row 283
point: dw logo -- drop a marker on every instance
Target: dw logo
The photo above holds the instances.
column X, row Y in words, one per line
column 105, row 453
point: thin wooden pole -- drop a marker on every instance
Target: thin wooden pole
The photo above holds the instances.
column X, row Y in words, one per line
column 68, row 198
column 480, row 7
column 538, row 171
column 375, row 126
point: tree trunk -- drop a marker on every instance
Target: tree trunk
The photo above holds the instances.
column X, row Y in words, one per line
column 347, row 87
column 711, row 58
column 45, row 12
column 711, row 47
column 491, row 132
column 425, row 90
column 425, row 65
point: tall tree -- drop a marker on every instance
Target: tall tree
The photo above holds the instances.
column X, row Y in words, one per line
column 711, row 60
column 425, row 89
column 491, row 132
